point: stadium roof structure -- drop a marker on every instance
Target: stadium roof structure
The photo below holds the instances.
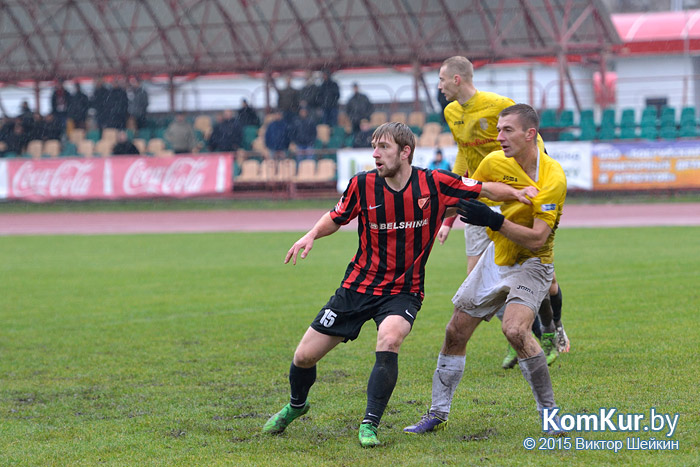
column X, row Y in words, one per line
column 669, row 32
column 49, row 39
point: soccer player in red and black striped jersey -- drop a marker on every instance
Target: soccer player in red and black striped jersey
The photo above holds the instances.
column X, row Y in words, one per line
column 400, row 209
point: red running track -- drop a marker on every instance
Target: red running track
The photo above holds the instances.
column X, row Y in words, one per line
column 88, row 223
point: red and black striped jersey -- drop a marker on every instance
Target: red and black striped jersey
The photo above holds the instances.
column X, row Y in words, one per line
column 397, row 229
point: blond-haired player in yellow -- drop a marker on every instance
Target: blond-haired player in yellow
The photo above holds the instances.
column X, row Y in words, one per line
column 515, row 270
column 472, row 116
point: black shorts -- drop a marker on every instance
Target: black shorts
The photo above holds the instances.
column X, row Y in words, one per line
column 347, row 311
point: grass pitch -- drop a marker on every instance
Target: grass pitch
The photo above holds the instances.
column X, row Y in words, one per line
column 174, row 350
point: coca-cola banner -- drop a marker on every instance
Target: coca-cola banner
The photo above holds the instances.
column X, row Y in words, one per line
column 115, row 177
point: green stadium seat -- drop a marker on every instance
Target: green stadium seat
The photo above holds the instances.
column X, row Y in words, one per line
column 649, row 132
column 548, row 118
column 145, row 133
column 566, row 119
column 588, row 132
column 608, row 118
column 688, row 131
column 668, row 116
column 586, row 117
column 433, row 117
column 93, row 135
column 567, row 136
column 688, row 115
column 668, row 132
column 69, row 149
column 649, row 116
column 627, row 118
column 628, row 132
column 607, row 133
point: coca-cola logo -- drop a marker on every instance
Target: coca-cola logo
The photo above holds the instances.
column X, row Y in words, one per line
column 67, row 179
column 185, row 175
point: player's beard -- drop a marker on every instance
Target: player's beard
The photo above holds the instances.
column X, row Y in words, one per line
column 389, row 171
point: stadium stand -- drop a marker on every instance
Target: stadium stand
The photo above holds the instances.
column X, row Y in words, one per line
column 52, row 148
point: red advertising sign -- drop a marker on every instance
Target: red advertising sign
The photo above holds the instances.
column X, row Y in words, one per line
column 115, row 177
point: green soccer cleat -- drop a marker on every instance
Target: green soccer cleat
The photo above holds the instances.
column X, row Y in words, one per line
column 368, row 435
column 511, row 358
column 549, row 346
column 279, row 421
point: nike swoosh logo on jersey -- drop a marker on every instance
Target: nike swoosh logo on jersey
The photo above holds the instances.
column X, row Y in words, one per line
column 374, row 207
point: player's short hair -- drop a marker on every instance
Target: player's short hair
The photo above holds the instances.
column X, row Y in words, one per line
column 526, row 114
column 401, row 134
column 459, row 65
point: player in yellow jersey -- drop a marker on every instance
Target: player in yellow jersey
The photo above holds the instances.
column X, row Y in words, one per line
column 516, row 269
column 472, row 116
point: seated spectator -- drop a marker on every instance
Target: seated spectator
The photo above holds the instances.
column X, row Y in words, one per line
column 16, row 139
column 123, row 146
column 227, row 134
column 439, row 162
column 303, row 134
column 363, row 138
column 180, row 135
column 53, row 128
column 277, row 136
column 247, row 115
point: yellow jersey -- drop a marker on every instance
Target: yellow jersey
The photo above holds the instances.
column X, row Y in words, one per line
column 473, row 127
column 547, row 205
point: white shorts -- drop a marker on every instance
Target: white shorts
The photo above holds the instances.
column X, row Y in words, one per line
column 475, row 237
column 489, row 286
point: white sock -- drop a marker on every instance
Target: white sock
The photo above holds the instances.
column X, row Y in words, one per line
column 448, row 373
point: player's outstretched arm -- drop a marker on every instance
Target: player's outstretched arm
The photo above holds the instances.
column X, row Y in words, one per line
column 324, row 226
column 497, row 191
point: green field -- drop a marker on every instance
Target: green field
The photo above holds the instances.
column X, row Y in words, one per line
column 174, row 350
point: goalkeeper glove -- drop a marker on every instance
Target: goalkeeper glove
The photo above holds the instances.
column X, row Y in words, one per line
column 475, row 212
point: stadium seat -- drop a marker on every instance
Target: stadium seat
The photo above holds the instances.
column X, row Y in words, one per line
column 35, row 148
column 628, row 132
column 86, row 148
column 607, row 133
column 567, row 136
column 649, row 116
column 416, row 118
column 688, row 116
column 588, row 132
column 69, row 149
column 268, row 170
column 548, row 118
column 250, row 171
column 109, row 134
column 566, row 119
column 608, row 118
column 326, row 170
column 52, row 148
column 140, row 144
column 668, row 116
column 76, row 135
column 434, row 118
column 445, row 139
column 104, row 147
column 155, row 146
column 586, row 118
column 93, row 135
column 668, row 132
column 378, row 118
column 286, row 170
column 649, row 132
column 398, row 117
column 306, row 171
column 627, row 118
column 688, row 131
column 259, row 147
